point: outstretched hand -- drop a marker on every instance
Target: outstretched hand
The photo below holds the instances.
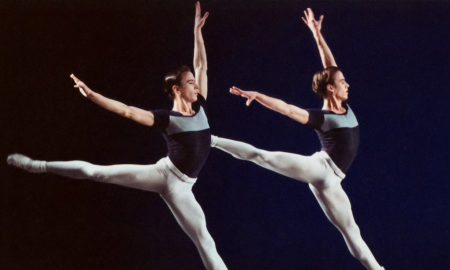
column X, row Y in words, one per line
column 84, row 90
column 311, row 22
column 249, row 95
column 199, row 20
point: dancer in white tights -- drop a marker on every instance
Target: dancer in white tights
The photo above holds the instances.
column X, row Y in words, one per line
column 188, row 137
column 338, row 132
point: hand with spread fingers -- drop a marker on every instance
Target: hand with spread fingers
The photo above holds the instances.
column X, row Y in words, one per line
column 249, row 95
column 311, row 22
column 316, row 26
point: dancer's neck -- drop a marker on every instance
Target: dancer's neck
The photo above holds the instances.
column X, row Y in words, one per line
column 333, row 104
column 182, row 106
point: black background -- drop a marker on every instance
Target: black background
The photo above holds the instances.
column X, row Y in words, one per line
column 394, row 55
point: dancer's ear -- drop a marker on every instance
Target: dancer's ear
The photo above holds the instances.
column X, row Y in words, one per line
column 330, row 88
column 176, row 90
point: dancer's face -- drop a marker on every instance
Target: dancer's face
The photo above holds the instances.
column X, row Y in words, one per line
column 188, row 89
column 340, row 87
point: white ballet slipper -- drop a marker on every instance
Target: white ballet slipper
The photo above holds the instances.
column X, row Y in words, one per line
column 25, row 163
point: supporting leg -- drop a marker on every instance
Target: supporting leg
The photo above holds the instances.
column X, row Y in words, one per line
column 191, row 218
column 336, row 205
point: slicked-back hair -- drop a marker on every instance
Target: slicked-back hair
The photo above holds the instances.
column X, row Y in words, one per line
column 174, row 78
column 323, row 78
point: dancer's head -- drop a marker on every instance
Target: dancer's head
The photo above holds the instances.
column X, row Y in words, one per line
column 181, row 83
column 330, row 82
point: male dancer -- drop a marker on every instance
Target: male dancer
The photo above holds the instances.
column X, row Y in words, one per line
column 338, row 132
column 188, row 137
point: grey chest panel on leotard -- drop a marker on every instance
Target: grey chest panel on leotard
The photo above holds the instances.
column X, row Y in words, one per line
column 178, row 124
column 333, row 121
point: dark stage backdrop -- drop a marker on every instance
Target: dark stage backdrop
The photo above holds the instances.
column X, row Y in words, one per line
column 394, row 55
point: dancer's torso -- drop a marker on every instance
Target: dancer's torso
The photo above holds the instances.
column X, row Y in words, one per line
column 188, row 137
column 338, row 134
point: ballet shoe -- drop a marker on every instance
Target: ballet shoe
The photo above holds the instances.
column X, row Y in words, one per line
column 25, row 163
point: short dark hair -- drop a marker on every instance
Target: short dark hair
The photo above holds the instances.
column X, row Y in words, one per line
column 323, row 78
column 174, row 78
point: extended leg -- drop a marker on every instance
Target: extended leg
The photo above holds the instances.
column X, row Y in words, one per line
column 144, row 177
column 303, row 168
column 336, row 205
column 191, row 218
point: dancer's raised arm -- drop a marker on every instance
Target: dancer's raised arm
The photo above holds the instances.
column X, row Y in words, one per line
column 139, row 115
column 296, row 113
column 200, row 62
column 315, row 27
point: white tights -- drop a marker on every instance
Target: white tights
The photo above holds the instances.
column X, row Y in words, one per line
column 163, row 178
column 317, row 172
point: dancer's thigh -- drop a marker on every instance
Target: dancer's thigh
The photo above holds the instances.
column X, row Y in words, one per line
column 143, row 177
column 184, row 206
column 308, row 169
column 336, row 205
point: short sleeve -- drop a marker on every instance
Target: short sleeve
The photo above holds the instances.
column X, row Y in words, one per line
column 315, row 118
column 161, row 119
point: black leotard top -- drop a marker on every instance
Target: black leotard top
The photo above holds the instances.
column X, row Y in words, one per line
column 188, row 137
column 338, row 134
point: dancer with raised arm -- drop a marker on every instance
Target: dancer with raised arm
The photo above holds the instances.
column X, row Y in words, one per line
column 186, row 130
column 338, row 131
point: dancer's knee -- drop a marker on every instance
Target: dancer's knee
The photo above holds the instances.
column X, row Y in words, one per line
column 205, row 239
column 352, row 232
column 348, row 227
column 247, row 152
column 200, row 234
column 94, row 172
column 264, row 158
column 357, row 253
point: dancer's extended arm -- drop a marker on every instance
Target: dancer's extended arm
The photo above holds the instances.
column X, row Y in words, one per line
column 139, row 115
column 315, row 27
column 298, row 114
column 200, row 62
